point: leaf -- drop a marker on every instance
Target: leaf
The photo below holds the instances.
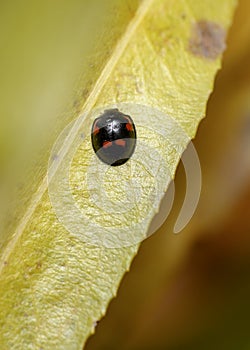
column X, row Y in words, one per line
column 157, row 300
column 55, row 283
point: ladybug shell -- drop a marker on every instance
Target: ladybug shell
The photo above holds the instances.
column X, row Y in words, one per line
column 113, row 137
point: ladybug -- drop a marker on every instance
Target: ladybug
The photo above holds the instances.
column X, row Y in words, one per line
column 113, row 137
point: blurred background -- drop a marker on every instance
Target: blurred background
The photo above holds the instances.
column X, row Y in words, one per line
column 191, row 290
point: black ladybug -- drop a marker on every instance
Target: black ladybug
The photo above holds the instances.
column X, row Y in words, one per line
column 113, row 137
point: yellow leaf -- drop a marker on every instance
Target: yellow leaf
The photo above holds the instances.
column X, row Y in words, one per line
column 79, row 234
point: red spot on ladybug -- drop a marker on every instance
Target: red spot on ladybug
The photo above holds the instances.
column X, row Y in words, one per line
column 129, row 127
column 96, row 130
column 107, row 144
column 120, row 142
column 113, row 137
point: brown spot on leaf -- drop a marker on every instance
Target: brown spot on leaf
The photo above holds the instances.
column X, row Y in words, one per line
column 207, row 40
column 96, row 323
column 38, row 265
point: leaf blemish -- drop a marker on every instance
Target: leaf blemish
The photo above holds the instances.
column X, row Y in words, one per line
column 38, row 265
column 207, row 40
column 55, row 157
column 95, row 323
